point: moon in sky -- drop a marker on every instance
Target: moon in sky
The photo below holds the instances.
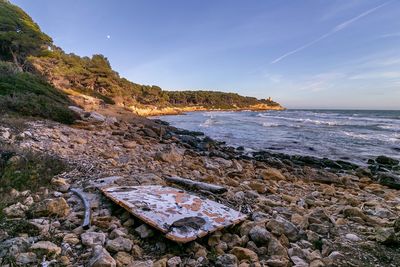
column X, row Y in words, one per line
column 108, row 36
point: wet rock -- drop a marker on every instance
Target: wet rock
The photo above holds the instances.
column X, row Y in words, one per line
column 45, row 248
column 386, row 161
column 101, row 258
column 389, row 179
column 226, row 260
column 260, row 235
column 26, row 258
column 16, row 211
column 119, row 244
column 174, row 262
column 244, row 254
column 91, row 239
column 144, row 231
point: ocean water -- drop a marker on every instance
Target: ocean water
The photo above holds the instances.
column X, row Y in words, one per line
column 353, row 135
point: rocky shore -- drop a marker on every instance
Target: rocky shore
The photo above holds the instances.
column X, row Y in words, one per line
column 302, row 211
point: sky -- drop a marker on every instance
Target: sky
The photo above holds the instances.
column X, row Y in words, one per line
column 304, row 54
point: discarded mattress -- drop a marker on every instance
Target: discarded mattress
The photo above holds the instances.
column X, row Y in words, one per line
column 181, row 216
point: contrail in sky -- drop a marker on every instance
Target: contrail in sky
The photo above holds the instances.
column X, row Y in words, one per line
column 337, row 28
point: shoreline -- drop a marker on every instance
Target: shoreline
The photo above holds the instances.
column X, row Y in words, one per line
column 152, row 112
column 295, row 202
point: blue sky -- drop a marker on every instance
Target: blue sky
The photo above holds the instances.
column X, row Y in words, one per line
column 304, row 54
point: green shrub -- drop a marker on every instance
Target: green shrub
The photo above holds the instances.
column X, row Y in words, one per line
column 29, row 95
column 27, row 170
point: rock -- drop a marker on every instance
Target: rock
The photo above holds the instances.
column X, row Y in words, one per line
column 174, row 262
column 260, row 235
column 15, row 245
column 226, row 260
column 148, row 263
column 170, row 155
column 386, row 161
column 336, row 255
column 123, row 259
column 278, row 261
column 161, row 263
column 118, row 232
column 96, row 117
column 46, row 248
column 5, row 134
column 387, row 236
column 258, row 186
column 137, row 251
column 272, row 174
column 28, row 201
column 42, row 225
column 299, row 262
column 16, row 211
column 53, row 207
column 26, row 258
column 317, row 263
column 144, row 231
column 352, row 237
column 71, row 239
column 61, row 184
column 130, row 144
column 101, row 258
column 396, row 225
column 389, row 179
column 244, row 254
column 92, row 239
column 119, row 244
column 280, row 225
column 276, row 248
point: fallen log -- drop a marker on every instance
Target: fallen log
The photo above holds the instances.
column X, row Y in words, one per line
column 197, row 185
column 85, row 201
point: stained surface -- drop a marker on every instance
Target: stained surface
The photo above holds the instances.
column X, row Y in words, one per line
column 181, row 216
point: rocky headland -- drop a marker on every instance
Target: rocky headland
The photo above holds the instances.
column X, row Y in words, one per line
column 302, row 211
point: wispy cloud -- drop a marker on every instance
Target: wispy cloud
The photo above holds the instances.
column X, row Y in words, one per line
column 336, row 29
column 389, row 35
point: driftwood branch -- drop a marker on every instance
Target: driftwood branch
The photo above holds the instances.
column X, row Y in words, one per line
column 86, row 204
column 198, row 185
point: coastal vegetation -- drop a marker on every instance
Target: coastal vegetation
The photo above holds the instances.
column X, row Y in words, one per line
column 37, row 76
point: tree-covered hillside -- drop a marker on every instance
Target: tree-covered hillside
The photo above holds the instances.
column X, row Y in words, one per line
column 23, row 43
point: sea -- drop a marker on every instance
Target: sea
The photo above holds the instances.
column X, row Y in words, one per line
column 351, row 135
